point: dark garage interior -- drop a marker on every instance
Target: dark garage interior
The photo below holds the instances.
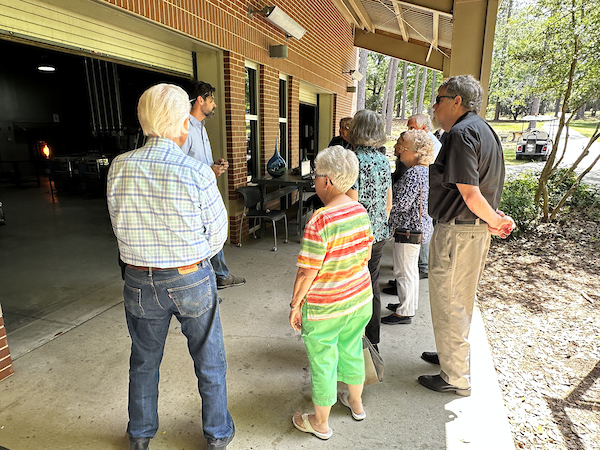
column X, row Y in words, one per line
column 57, row 251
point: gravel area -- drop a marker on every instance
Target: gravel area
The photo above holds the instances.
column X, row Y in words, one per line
column 540, row 300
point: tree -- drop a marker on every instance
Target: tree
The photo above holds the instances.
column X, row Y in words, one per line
column 376, row 75
column 433, row 92
column 402, row 103
column 415, row 90
column 390, row 95
column 363, row 61
column 570, row 31
column 422, row 92
column 504, row 15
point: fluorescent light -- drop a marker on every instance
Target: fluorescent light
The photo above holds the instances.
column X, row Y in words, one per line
column 277, row 17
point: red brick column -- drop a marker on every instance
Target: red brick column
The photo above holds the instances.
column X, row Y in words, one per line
column 235, row 123
column 5, row 360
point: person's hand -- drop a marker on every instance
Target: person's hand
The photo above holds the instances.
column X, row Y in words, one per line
column 220, row 167
column 296, row 318
column 505, row 226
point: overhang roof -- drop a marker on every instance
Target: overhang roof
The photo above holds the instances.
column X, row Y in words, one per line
column 418, row 31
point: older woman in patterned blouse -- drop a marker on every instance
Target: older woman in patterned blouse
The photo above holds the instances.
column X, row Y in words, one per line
column 409, row 212
column 373, row 189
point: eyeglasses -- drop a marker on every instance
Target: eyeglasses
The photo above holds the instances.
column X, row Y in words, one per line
column 439, row 97
column 205, row 97
column 316, row 175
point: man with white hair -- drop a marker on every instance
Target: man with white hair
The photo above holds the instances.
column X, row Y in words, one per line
column 169, row 219
column 466, row 183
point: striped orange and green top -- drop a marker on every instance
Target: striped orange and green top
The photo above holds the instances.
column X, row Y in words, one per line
column 336, row 242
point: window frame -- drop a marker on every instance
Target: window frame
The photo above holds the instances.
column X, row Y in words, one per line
column 251, row 88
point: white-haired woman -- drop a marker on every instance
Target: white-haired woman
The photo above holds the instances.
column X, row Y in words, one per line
column 409, row 214
column 331, row 302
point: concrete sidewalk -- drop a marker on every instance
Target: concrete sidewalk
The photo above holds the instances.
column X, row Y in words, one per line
column 71, row 392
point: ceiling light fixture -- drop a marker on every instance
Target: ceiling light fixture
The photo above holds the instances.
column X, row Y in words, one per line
column 46, row 68
column 277, row 17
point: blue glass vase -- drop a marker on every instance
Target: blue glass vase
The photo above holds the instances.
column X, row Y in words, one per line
column 276, row 165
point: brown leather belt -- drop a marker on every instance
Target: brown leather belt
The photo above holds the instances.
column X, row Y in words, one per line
column 147, row 269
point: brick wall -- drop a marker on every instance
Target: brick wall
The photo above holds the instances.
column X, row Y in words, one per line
column 319, row 58
column 5, row 359
column 235, row 123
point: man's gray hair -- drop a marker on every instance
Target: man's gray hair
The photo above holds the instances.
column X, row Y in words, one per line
column 367, row 129
column 469, row 90
column 340, row 165
column 162, row 111
column 422, row 120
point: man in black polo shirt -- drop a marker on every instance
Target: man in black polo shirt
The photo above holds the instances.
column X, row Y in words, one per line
column 466, row 183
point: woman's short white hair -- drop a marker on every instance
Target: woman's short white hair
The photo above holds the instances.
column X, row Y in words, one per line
column 340, row 165
column 422, row 145
column 163, row 109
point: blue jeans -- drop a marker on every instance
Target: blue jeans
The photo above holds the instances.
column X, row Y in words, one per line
column 219, row 266
column 151, row 298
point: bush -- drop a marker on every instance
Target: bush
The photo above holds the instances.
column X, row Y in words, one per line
column 519, row 194
column 518, row 201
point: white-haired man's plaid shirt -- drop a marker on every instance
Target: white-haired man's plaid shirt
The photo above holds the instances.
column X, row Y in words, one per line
column 165, row 208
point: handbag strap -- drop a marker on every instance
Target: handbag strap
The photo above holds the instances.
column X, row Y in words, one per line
column 420, row 199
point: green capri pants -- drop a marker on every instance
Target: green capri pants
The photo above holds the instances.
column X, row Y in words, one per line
column 334, row 349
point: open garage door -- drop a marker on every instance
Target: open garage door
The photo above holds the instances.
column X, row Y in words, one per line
column 91, row 29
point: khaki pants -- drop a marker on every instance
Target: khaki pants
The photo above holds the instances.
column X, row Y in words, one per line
column 456, row 259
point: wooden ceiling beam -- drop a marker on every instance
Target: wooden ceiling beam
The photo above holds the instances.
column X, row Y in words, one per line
column 401, row 24
column 359, row 10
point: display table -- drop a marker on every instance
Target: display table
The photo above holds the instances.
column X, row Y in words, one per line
column 287, row 184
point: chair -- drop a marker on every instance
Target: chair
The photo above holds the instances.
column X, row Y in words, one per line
column 253, row 204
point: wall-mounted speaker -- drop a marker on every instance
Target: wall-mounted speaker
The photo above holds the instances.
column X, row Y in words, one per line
column 278, row 51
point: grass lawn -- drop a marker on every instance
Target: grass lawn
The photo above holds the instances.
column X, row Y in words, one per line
column 585, row 127
column 501, row 127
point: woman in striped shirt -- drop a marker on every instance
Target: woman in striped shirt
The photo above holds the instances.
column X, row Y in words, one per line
column 331, row 303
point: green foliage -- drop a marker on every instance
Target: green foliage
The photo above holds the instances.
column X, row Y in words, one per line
column 536, row 43
column 584, row 198
column 518, row 201
column 377, row 68
column 518, row 198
